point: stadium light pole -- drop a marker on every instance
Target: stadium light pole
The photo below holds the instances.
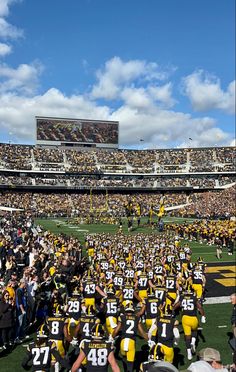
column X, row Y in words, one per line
column 10, row 140
column 190, row 139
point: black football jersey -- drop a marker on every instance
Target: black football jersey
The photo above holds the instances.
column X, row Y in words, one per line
column 171, row 283
column 74, row 307
column 142, row 282
column 188, row 303
column 129, row 272
column 111, row 306
column 160, row 294
column 128, row 292
column 182, row 256
column 86, row 324
column 129, row 325
column 109, row 274
column 118, row 281
column 41, row 356
column 56, row 327
column 197, row 277
column 165, row 326
column 89, row 289
column 159, row 269
column 152, row 310
column 97, row 353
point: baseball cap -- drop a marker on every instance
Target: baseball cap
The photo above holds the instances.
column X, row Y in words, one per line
column 209, row 355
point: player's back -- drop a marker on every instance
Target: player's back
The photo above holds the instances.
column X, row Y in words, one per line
column 97, row 353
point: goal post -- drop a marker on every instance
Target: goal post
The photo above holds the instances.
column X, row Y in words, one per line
column 103, row 208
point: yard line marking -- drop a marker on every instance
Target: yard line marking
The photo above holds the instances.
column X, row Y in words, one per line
column 217, row 300
column 222, row 326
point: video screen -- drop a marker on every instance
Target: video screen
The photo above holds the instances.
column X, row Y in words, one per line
column 77, row 131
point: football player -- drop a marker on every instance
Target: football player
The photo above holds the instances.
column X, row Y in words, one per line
column 89, row 288
column 110, row 306
column 40, row 353
column 98, row 353
column 129, row 324
column 73, row 310
column 190, row 306
column 167, row 334
column 198, row 281
column 57, row 327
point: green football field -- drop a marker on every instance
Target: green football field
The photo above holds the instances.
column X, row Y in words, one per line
column 215, row 333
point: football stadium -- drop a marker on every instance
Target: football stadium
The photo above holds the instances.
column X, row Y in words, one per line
column 114, row 258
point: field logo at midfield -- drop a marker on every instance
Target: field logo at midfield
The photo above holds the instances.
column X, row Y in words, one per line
column 224, row 275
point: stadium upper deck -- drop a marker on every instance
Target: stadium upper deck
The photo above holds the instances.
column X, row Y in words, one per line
column 35, row 166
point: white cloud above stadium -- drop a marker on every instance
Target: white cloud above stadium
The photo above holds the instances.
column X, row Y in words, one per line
column 143, row 95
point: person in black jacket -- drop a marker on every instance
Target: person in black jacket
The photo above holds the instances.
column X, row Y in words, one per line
column 233, row 316
column 6, row 319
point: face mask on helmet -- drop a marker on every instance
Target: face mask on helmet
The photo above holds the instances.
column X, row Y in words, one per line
column 129, row 307
column 98, row 331
column 156, row 353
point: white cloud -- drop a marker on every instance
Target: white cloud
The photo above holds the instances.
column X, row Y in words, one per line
column 23, row 79
column 5, row 49
column 8, row 31
column 211, row 136
column 17, row 112
column 141, row 90
column 159, row 128
column 136, row 97
column 143, row 112
column 118, row 74
column 4, row 7
column 162, row 94
column 205, row 92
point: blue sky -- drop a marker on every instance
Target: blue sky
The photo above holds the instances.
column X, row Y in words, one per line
column 164, row 68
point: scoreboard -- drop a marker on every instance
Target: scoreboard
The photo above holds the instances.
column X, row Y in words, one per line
column 59, row 131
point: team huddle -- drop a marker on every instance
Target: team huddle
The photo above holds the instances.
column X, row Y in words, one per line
column 133, row 286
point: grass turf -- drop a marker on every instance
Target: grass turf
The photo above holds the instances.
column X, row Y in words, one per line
column 68, row 227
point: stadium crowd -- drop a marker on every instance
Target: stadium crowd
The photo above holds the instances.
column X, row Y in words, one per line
column 95, row 306
column 111, row 181
column 21, row 157
column 88, row 309
column 213, row 204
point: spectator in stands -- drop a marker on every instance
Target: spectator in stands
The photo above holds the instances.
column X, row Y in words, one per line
column 7, row 309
